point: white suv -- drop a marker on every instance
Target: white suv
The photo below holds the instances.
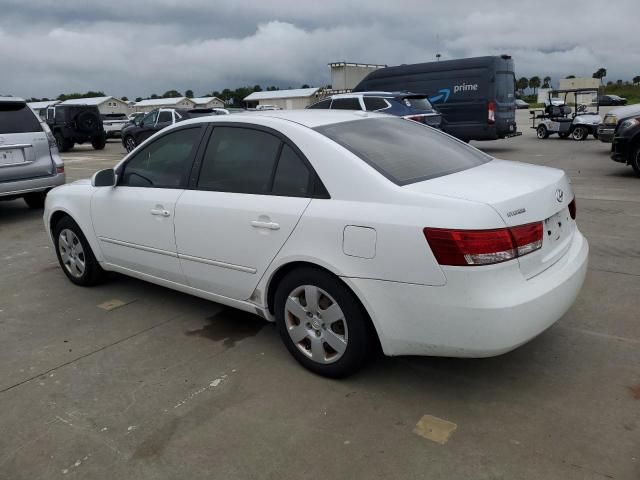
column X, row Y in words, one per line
column 30, row 165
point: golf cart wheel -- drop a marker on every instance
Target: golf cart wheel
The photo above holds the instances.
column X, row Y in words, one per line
column 635, row 160
column 579, row 133
column 542, row 132
column 564, row 135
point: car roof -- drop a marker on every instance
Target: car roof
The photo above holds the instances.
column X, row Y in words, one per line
column 377, row 94
column 12, row 99
column 307, row 118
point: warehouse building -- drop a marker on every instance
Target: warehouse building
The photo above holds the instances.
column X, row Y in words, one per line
column 297, row 98
column 104, row 104
column 345, row 75
column 174, row 102
column 208, row 102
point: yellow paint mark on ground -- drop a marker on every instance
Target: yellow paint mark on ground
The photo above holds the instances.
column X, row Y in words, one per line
column 435, row 429
column 113, row 304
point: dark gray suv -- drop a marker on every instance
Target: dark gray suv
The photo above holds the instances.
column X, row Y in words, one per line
column 30, row 165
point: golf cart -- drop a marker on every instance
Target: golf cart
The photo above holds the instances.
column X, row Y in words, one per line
column 558, row 117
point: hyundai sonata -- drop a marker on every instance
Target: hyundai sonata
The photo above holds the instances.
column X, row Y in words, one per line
column 347, row 229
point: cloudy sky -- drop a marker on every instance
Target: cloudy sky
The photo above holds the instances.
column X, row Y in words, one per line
column 139, row 47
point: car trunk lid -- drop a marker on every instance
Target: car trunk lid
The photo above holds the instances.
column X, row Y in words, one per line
column 520, row 194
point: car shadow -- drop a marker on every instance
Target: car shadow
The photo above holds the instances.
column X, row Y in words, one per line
column 13, row 212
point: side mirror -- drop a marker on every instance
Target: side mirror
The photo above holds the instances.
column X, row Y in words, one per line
column 104, row 178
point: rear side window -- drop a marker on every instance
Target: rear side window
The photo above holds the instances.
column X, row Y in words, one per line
column 346, row 104
column 165, row 117
column 239, row 160
column 374, row 103
column 404, row 151
column 292, row 175
column 322, row 104
column 17, row 117
column 165, row 163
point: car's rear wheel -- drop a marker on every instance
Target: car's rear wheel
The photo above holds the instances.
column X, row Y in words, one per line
column 322, row 323
column 542, row 132
column 129, row 143
column 63, row 144
column 635, row 159
column 75, row 255
column 35, row 200
column 579, row 133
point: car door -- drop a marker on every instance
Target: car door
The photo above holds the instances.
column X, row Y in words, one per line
column 147, row 127
column 134, row 220
column 250, row 194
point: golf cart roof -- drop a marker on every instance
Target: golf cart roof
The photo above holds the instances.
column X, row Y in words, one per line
column 574, row 90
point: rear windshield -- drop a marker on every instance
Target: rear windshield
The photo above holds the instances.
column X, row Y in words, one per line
column 505, row 87
column 17, row 117
column 404, row 151
column 421, row 103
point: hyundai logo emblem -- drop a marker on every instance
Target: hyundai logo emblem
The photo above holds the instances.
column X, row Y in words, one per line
column 559, row 195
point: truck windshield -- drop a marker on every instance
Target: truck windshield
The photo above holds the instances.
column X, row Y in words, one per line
column 505, row 87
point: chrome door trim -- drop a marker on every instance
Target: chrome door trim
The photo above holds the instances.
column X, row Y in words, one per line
column 216, row 263
column 136, row 246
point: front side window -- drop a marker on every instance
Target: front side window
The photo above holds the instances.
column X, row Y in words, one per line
column 150, row 119
column 346, row 104
column 166, row 163
column 239, row 160
column 17, row 117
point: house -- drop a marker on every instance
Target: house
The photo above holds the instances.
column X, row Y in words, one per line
column 208, row 102
column 174, row 102
column 41, row 107
column 104, row 104
column 297, row 98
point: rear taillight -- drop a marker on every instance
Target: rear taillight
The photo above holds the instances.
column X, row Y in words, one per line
column 483, row 247
column 491, row 113
column 60, row 169
column 572, row 208
column 416, row 118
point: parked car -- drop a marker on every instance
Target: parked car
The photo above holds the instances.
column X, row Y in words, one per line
column 113, row 124
column 611, row 100
column 73, row 124
column 625, row 147
column 611, row 121
column 474, row 95
column 407, row 105
column 347, row 230
column 521, row 104
column 135, row 116
column 136, row 133
column 29, row 161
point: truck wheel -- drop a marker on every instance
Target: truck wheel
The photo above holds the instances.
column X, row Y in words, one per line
column 579, row 133
column 35, row 200
column 98, row 142
column 635, row 159
column 64, row 145
column 542, row 132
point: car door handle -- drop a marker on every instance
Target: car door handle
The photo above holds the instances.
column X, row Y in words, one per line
column 160, row 212
column 267, row 225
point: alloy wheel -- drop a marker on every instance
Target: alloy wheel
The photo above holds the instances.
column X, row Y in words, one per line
column 71, row 253
column 579, row 133
column 316, row 324
column 130, row 143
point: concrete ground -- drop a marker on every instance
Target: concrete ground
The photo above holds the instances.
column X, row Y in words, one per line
column 169, row 386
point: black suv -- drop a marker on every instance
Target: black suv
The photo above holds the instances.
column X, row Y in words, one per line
column 137, row 132
column 626, row 143
column 71, row 124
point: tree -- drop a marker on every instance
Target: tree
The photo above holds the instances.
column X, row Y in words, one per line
column 619, row 83
column 609, row 83
column 188, row 94
column 257, row 88
column 125, row 99
column 138, row 99
column 546, row 82
column 522, row 84
column 68, row 96
column 171, row 94
column 636, row 80
column 534, row 82
column 272, row 89
column 570, row 76
column 600, row 74
column 154, row 96
column 305, row 86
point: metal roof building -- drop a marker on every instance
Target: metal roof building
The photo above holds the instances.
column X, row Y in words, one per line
column 173, row 102
column 208, row 102
column 296, row 98
column 104, row 104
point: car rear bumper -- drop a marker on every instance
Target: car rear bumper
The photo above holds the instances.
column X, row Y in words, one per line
column 476, row 314
column 21, row 187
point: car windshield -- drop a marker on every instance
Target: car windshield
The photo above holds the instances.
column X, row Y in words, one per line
column 17, row 117
column 418, row 102
column 403, row 151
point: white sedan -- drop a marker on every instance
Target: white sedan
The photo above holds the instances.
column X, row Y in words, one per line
column 347, row 229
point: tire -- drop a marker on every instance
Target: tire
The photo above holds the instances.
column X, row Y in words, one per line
column 542, row 132
column 63, row 144
column 35, row 200
column 579, row 133
column 635, row 160
column 75, row 255
column 129, row 143
column 306, row 331
column 595, row 135
column 88, row 122
column 98, row 143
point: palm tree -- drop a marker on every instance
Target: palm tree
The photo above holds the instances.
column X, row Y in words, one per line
column 570, row 76
column 522, row 84
column 545, row 82
column 636, row 79
column 600, row 74
column 534, row 82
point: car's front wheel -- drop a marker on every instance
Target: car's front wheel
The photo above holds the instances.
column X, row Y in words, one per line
column 322, row 323
column 75, row 255
column 129, row 143
column 542, row 132
column 579, row 133
column 635, row 159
